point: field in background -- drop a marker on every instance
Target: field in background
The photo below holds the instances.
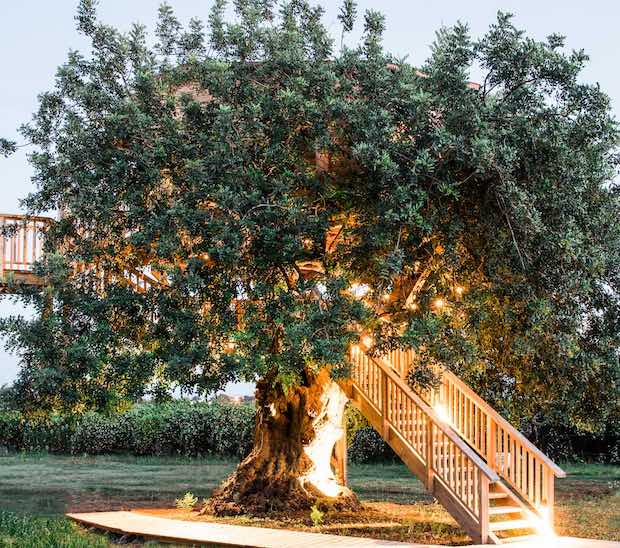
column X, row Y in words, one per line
column 396, row 505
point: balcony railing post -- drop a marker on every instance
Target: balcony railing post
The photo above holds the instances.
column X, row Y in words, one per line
column 340, row 452
column 2, row 249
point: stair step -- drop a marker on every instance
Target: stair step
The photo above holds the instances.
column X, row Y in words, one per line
column 521, row 538
column 498, row 495
column 495, row 510
column 510, row 524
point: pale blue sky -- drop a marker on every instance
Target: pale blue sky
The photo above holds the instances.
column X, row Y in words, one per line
column 35, row 36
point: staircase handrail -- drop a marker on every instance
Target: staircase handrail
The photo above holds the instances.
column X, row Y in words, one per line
column 483, row 404
column 22, row 217
column 439, row 423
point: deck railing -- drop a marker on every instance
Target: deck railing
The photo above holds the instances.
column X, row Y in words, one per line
column 445, row 457
column 21, row 242
column 21, row 246
column 520, row 463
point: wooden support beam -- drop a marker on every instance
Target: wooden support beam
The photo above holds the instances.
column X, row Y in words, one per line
column 483, row 497
column 384, row 405
column 340, row 454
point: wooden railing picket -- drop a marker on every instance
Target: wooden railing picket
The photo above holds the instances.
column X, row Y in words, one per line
column 445, row 457
column 505, row 449
column 23, row 247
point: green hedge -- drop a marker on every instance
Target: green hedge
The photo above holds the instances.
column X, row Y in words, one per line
column 181, row 427
column 178, row 428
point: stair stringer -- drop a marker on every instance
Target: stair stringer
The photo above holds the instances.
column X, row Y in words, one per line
column 416, row 465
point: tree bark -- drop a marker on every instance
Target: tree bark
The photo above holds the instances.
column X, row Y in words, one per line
column 290, row 466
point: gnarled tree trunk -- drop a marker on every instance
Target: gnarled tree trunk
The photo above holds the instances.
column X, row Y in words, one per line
column 289, row 467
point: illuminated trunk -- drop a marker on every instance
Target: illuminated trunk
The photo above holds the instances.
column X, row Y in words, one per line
column 290, row 466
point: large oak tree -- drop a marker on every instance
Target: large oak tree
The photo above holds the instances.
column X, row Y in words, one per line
column 290, row 196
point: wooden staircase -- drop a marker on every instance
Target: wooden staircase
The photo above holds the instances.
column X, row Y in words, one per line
column 496, row 484
column 493, row 481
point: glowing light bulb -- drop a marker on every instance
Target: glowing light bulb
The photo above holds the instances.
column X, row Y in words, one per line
column 359, row 290
column 442, row 412
column 542, row 523
column 367, row 341
column 459, row 290
column 229, row 346
column 413, row 306
column 439, row 303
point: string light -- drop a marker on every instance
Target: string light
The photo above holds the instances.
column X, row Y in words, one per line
column 359, row 290
column 439, row 302
column 367, row 341
column 459, row 290
column 442, row 412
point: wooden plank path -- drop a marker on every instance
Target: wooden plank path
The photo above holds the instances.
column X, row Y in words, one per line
column 220, row 534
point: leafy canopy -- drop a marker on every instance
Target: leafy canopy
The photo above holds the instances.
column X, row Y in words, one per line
column 482, row 220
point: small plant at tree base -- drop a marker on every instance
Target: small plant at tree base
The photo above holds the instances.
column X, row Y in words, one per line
column 316, row 516
column 187, row 502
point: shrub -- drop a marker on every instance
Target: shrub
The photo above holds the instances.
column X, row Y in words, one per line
column 364, row 444
column 316, row 516
column 354, row 420
column 10, row 430
column 232, row 432
column 180, row 427
column 186, row 502
column 368, row 446
column 96, row 434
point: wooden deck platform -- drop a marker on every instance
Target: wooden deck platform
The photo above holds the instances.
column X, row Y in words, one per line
column 191, row 532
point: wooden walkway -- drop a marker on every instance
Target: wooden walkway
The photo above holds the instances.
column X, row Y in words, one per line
column 219, row 534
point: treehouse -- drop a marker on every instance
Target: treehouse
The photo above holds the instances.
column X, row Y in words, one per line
column 495, row 483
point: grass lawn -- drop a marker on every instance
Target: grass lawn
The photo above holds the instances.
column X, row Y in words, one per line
column 395, row 504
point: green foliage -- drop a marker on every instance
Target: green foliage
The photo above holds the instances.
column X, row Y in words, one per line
column 316, row 516
column 197, row 157
column 194, row 429
column 186, row 502
column 420, row 376
column 354, row 420
column 10, row 430
column 28, row 532
column 368, row 447
column 8, row 397
column 348, row 12
column 7, row 147
column 176, row 428
column 364, row 444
